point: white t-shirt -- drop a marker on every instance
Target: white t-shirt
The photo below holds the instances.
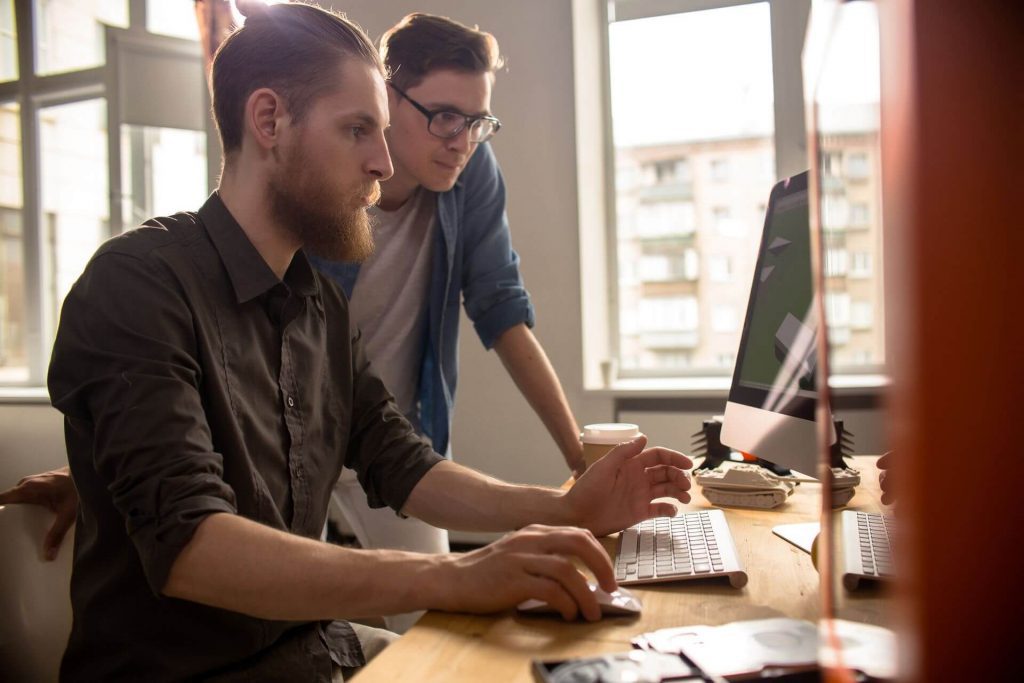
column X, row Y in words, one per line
column 389, row 298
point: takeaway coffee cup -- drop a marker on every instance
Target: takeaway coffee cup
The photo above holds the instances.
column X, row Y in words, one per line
column 598, row 439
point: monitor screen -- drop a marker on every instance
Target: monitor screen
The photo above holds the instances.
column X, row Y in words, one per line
column 770, row 412
column 776, row 360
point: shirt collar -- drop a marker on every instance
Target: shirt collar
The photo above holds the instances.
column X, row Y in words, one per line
column 249, row 273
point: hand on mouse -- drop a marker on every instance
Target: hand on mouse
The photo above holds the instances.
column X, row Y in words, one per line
column 533, row 562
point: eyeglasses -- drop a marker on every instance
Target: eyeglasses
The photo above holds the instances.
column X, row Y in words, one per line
column 445, row 123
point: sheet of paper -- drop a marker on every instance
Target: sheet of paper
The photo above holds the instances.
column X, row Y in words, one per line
column 800, row 535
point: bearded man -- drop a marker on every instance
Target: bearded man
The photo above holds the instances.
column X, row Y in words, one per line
column 213, row 388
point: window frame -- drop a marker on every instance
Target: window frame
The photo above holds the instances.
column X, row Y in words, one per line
column 788, row 24
column 109, row 82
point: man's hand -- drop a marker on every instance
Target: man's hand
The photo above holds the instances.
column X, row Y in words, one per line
column 55, row 490
column 617, row 491
column 886, row 481
column 533, row 562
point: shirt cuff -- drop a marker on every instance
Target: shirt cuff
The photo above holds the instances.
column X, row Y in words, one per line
column 496, row 321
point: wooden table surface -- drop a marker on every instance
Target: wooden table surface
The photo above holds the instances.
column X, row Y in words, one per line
column 782, row 582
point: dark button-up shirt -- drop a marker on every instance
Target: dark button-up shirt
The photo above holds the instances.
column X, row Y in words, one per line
column 194, row 381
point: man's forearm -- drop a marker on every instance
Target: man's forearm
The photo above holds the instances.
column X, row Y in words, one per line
column 236, row 564
column 452, row 496
column 529, row 367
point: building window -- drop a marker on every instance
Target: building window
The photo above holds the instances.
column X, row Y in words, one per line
column 720, row 170
column 860, row 264
column 857, row 166
column 860, row 215
column 836, row 262
column 720, row 268
column 861, row 315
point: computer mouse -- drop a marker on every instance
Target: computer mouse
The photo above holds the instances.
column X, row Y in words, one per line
column 621, row 602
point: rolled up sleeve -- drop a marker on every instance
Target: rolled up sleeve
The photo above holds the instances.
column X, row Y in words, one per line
column 495, row 297
column 124, row 364
column 387, row 454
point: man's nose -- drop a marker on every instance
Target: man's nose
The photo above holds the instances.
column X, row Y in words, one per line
column 379, row 164
column 460, row 142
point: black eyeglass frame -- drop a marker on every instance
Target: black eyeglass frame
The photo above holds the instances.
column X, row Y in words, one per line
column 468, row 120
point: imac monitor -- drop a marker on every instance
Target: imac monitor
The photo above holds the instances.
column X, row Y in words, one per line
column 770, row 411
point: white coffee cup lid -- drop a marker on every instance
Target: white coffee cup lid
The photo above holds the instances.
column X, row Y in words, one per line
column 609, row 433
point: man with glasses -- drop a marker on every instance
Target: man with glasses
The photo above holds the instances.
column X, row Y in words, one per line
column 441, row 231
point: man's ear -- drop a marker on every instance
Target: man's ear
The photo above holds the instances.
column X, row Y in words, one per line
column 265, row 115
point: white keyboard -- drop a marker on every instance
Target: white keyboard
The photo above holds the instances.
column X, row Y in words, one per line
column 867, row 553
column 694, row 545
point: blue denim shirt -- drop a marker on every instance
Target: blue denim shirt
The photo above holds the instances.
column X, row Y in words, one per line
column 473, row 256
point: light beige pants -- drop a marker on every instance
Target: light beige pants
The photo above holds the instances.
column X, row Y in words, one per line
column 373, row 641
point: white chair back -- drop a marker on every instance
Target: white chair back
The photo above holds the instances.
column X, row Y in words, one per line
column 35, row 603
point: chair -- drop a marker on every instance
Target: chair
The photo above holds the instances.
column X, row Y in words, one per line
column 35, row 603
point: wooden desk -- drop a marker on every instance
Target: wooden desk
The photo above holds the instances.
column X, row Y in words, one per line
column 783, row 582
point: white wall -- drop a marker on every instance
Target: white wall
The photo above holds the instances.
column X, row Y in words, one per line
column 31, row 440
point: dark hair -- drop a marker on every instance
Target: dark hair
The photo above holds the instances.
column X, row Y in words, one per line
column 292, row 48
column 421, row 43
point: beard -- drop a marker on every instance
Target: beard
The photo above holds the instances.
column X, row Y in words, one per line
column 331, row 223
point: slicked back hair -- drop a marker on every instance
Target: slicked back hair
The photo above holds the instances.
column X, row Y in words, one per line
column 295, row 49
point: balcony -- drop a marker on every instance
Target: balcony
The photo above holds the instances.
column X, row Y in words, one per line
column 664, row 192
column 686, row 339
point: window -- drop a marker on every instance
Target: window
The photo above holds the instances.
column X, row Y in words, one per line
column 725, row 224
column 700, row 143
column 846, row 125
column 8, row 42
column 69, row 33
column 860, row 215
column 172, row 19
column 720, row 268
column 836, row 262
column 665, row 219
column 720, row 170
column 857, row 166
column 61, row 193
column 860, row 264
column 719, row 84
column 861, row 315
column 74, row 193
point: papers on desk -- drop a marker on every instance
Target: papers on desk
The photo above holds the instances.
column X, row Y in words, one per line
column 744, row 649
column 801, row 535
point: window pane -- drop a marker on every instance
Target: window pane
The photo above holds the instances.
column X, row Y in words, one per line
column 75, row 216
column 172, row 18
column 163, row 171
column 693, row 128
column 8, row 42
column 13, row 352
column 851, row 209
column 69, row 33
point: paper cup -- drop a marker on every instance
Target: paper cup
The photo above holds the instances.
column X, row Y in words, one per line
column 598, row 439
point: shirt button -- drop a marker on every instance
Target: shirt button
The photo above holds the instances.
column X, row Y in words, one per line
column 291, row 402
